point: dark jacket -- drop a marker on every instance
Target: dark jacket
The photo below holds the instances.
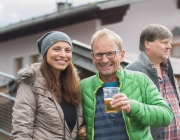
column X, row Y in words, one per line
column 144, row 65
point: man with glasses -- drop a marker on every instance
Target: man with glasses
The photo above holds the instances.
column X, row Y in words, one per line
column 155, row 44
column 139, row 102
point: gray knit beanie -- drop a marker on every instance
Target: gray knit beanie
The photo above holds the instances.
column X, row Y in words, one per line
column 50, row 38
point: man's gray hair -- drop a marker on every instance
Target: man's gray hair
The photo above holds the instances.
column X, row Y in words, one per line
column 107, row 33
column 153, row 32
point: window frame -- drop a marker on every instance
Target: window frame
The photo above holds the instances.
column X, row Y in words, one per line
column 173, row 46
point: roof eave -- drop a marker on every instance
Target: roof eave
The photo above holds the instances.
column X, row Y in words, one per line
column 63, row 18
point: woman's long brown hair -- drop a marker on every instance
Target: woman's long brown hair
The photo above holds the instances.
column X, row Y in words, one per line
column 69, row 83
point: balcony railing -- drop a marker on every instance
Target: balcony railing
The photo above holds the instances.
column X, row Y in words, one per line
column 7, row 84
column 7, row 97
column 6, row 104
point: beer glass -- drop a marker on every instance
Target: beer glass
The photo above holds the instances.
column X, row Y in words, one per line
column 108, row 94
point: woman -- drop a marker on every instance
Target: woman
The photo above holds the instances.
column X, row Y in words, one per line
column 47, row 105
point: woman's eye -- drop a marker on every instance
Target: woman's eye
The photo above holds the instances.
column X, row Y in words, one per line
column 55, row 49
column 68, row 50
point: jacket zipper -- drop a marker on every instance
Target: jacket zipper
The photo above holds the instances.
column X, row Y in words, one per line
column 63, row 116
column 94, row 109
column 128, row 121
column 129, row 124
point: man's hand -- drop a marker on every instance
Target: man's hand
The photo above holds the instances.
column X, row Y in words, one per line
column 121, row 101
column 82, row 133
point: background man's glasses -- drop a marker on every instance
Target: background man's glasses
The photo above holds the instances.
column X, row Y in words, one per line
column 110, row 54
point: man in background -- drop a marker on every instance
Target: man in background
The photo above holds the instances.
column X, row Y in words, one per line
column 155, row 43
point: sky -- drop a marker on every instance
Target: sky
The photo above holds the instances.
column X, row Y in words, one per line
column 14, row 11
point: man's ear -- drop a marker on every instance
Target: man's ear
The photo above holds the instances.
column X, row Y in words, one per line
column 91, row 54
column 122, row 55
column 146, row 44
column 92, row 57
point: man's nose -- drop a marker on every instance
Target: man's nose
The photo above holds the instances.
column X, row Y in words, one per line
column 104, row 58
column 169, row 46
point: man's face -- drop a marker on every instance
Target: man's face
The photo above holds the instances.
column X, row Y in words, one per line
column 159, row 49
column 107, row 67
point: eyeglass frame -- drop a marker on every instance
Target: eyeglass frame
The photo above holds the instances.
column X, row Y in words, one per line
column 117, row 51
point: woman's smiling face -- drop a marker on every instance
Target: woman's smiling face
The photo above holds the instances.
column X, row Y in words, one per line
column 59, row 56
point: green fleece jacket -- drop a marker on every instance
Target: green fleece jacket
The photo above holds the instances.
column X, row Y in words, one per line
column 148, row 108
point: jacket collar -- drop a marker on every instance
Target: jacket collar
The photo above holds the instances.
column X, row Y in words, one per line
column 144, row 60
column 99, row 83
column 120, row 75
column 39, row 83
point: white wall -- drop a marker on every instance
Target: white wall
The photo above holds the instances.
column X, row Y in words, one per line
column 21, row 47
column 26, row 46
column 137, row 17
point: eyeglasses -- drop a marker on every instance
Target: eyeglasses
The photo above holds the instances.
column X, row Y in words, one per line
column 110, row 54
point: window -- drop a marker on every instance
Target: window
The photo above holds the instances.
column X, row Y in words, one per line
column 18, row 64
column 175, row 51
column 35, row 58
column 178, row 80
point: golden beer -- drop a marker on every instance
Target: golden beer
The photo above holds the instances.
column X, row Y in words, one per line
column 107, row 106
